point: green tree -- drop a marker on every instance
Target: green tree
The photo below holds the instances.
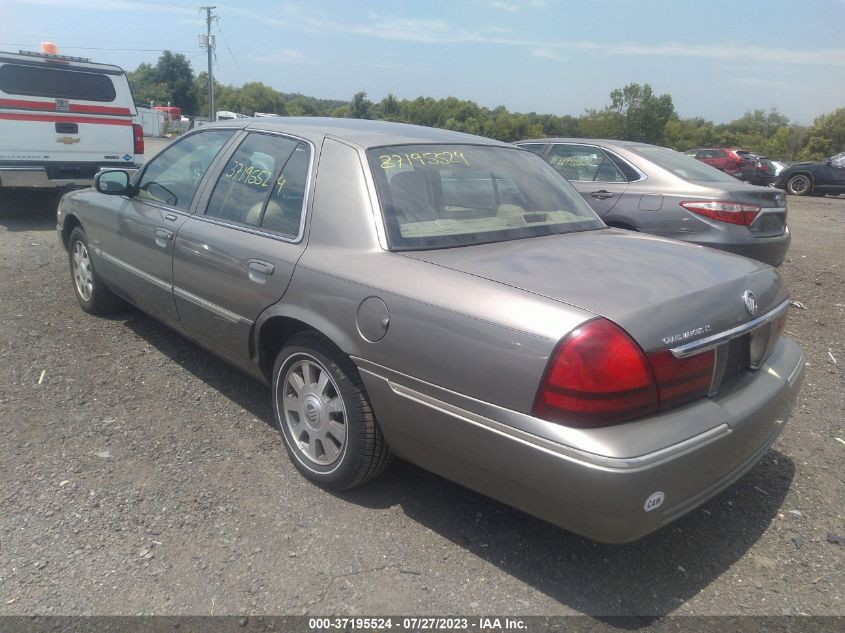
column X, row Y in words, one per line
column 602, row 124
column 826, row 136
column 174, row 71
column 146, row 88
column 644, row 114
column 361, row 107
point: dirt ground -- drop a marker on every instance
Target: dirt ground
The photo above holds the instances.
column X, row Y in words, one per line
column 139, row 474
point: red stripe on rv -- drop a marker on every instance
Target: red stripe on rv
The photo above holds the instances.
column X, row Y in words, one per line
column 51, row 118
column 22, row 104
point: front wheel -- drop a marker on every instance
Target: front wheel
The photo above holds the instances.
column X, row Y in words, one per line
column 91, row 293
column 324, row 414
column 799, row 185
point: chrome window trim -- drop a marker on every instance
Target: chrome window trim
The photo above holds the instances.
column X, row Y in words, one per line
column 306, row 201
column 715, row 340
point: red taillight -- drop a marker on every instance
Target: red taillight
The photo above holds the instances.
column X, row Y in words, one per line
column 599, row 376
column 730, row 212
column 138, row 135
column 681, row 380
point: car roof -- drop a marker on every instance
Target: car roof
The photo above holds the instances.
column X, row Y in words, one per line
column 361, row 132
column 597, row 141
column 57, row 62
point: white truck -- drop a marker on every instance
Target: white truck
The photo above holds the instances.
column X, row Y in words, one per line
column 62, row 119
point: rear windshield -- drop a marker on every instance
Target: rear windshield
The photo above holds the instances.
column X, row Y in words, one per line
column 680, row 164
column 437, row 196
column 55, row 83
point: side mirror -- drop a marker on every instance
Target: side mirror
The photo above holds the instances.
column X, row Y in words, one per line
column 113, row 182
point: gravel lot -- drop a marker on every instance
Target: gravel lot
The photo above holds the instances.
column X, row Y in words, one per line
column 140, row 474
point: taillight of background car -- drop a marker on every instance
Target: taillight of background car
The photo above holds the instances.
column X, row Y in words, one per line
column 138, row 137
column 723, row 211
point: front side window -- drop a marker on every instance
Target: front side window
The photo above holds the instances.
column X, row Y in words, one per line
column 264, row 185
column 55, row 83
column 838, row 161
column 584, row 163
column 438, row 196
column 174, row 175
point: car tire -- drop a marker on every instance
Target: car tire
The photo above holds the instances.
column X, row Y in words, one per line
column 799, row 185
column 90, row 291
column 325, row 417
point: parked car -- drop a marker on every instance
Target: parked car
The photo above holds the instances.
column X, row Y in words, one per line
column 451, row 300
column 62, row 119
column 779, row 167
column 814, row 178
column 758, row 170
column 726, row 159
column 659, row 191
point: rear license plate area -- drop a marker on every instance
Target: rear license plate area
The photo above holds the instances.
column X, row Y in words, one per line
column 739, row 356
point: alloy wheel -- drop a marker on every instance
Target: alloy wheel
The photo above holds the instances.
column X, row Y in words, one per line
column 313, row 411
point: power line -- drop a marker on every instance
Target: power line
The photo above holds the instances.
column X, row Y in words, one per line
column 229, row 48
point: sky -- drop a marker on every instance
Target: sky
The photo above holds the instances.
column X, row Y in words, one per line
column 717, row 58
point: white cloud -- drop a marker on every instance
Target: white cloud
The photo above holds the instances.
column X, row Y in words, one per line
column 548, row 53
column 442, row 32
column 285, row 56
column 505, row 6
column 111, row 5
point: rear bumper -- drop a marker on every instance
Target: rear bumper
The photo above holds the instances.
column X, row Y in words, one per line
column 769, row 250
column 605, row 498
column 31, row 177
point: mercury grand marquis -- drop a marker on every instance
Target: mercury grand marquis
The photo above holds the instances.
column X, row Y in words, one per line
column 453, row 301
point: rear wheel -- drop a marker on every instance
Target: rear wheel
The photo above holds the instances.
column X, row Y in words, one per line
column 91, row 293
column 324, row 414
column 799, row 185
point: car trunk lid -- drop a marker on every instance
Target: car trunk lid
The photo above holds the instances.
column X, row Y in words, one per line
column 662, row 292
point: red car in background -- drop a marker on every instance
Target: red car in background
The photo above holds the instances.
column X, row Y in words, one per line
column 726, row 159
column 739, row 163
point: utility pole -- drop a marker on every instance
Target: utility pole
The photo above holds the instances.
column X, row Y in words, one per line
column 208, row 43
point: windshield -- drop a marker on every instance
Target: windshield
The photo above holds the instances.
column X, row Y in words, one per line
column 436, row 196
column 680, row 164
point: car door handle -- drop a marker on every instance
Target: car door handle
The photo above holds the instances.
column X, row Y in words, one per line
column 170, row 217
column 260, row 270
column 602, row 194
column 163, row 237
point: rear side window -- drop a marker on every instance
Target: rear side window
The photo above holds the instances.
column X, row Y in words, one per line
column 264, row 185
column 55, row 83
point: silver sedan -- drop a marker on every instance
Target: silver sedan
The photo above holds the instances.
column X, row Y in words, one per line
column 662, row 192
column 450, row 300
